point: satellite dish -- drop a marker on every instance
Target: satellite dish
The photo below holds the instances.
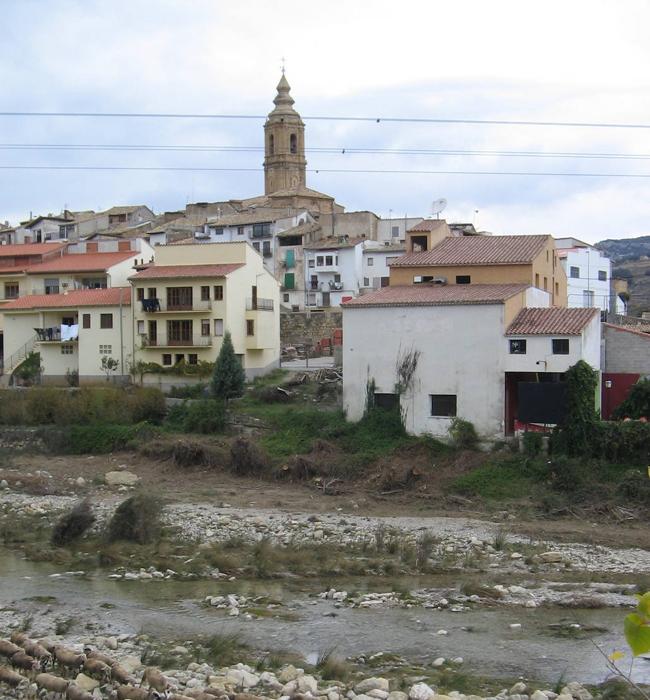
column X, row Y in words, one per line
column 438, row 206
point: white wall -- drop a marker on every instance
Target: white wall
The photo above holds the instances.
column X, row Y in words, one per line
column 452, row 361
column 589, row 262
column 379, row 268
column 403, row 224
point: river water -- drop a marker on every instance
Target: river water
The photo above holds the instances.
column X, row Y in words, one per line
column 169, row 609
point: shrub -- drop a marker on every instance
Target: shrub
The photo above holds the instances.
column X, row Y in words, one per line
column 637, row 403
column 270, row 394
column 30, row 369
column 228, row 378
column 191, row 391
column 580, row 417
column 98, row 439
column 206, row 416
column 621, row 442
column 634, row 487
column 532, row 443
column 247, row 458
column 463, row 434
column 135, row 520
column 70, row 526
column 188, row 452
column 147, row 404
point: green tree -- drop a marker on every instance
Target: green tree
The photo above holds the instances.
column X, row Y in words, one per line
column 580, row 419
column 109, row 365
column 228, row 377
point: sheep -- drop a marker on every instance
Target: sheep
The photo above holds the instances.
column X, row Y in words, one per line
column 11, row 678
column 54, row 684
column 19, row 637
column 128, row 692
column 38, row 652
column 23, row 660
column 69, row 659
column 74, row 692
column 121, row 675
column 94, row 654
column 97, row 669
column 8, row 649
column 47, row 644
column 154, row 679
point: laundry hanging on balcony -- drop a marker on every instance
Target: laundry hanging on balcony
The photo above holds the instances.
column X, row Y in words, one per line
column 69, row 332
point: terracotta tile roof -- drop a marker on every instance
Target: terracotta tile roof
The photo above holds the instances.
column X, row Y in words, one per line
column 266, row 215
column 81, row 262
column 154, row 272
column 74, row 298
column 551, row 321
column 438, row 295
column 17, row 250
column 427, row 225
column 300, row 230
column 478, row 250
column 127, row 209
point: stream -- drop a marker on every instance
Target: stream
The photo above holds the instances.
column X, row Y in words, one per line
column 169, row 609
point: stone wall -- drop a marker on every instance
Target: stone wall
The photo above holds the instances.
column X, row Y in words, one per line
column 300, row 327
column 626, row 351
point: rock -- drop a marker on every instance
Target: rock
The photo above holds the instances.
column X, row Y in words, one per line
column 551, row 557
column 371, row 684
column 421, row 691
column 180, row 650
column 86, row 683
column 440, row 661
column 442, row 632
column 515, row 626
column 538, row 695
column 457, row 660
column 378, row 694
column 518, row 689
column 397, row 695
column 131, row 663
column 4, row 484
column 241, row 678
column 111, row 643
column 80, row 481
column 124, row 478
column 307, row 684
column 516, row 555
column 289, row 673
column 576, row 691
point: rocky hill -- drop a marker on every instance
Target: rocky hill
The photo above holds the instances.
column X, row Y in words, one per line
column 631, row 261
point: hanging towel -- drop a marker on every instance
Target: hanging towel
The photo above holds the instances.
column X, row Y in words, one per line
column 65, row 332
column 74, row 331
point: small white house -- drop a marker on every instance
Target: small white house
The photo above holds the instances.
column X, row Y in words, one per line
column 467, row 363
column 376, row 262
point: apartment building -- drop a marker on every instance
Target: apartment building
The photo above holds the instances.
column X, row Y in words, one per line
column 185, row 302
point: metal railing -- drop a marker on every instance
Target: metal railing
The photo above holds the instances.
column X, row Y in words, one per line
column 259, row 304
column 9, row 364
column 201, row 341
column 161, row 305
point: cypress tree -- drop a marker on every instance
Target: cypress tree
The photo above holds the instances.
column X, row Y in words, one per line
column 228, row 377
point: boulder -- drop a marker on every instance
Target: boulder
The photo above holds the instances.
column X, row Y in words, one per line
column 551, row 557
column 124, row 478
column 397, row 695
column 86, row 683
column 371, row 684
column 421, row 691
column 307, row 684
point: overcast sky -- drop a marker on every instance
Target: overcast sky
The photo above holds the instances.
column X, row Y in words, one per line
column 556, row 60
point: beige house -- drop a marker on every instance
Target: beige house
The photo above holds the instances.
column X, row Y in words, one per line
column 71, row 331
column 183, row 305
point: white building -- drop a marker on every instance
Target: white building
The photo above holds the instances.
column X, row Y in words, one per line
column 376, row 262
column 475, row 343
column 589, row 274
column 393, row 229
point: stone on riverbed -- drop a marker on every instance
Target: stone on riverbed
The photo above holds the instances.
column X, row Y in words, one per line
column 371, row 684
column 125, row 478
column 86, row 683
column 421, row 691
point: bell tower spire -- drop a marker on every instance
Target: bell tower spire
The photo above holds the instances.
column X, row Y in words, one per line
column 284, row 144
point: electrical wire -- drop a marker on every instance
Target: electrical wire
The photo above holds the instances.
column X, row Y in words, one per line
column 377, row 120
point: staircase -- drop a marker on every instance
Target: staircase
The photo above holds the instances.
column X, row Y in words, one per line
column 9, row 364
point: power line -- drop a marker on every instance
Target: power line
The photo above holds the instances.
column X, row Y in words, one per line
column 341, row 150
column 109, row 168
column 377, row 120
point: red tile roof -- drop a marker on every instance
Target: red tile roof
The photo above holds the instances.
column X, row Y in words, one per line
column 551, row 321
column 478, row 250
column 17, row 250
column 427, row 225
column 154, row 272
column 75, row 298
column 438, row 295
column 82, row 262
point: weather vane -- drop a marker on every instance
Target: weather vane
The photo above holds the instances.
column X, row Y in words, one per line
column 282, row 65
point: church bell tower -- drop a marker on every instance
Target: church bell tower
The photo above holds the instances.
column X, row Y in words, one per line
column 284, row 144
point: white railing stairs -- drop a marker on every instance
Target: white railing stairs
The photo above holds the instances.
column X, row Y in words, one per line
column 9, row 364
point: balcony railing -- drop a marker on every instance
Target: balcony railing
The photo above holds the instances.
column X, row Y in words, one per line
column 259, row 304
column 156, row 305
column 201, row 341
column 52, row 334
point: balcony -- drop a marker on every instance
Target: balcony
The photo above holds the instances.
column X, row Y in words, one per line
column 156, row 305
column 52, row 334
column 201, row 341
column 259, row 304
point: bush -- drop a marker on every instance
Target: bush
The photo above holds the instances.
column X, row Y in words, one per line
column 578, row 424
column 624, row 442
column 463, row 434
column 634, row 487
column 97, row 439
column 191, row 391
column 532, row 443
column 247, row 458
column 70, row 526
column 270, row 394
column 637, row 403
column 136, row 520
column 187, row 452
column 206, row 416
column 147, row 405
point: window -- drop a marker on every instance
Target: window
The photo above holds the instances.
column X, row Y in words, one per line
column 320, row 261
column 139, row 293
column 11, row 290
column 256, row 245
column 205, row 293
column 68, row 320
column 140, row 327
column 337, row 278
column 261, row 230
column 51, row 286
column 192, row 359
column 289, row 280
column 250, row 327
column 329, row 260
column 422, row 279
column 394, row 231
column 240, row 230
column 575, row 272
column 371, row 262
column 517, row 347
column 105, row 349
column 218, row 231
column 106, row 320
column 218, row 326
column 560, row 346
column 178, row 359
column 179, row 332
column 537, row 280
column 366, row 281
column 205, row 327
column 587, row 298
column 285, row 298
column 311, row 262
column 85, row 321
column 602, row 275
column 557, row 288
column 266, row 249
column 386, row 401
column 218, row 292
column 179, row 298
column 443, row 405
column 152, row 293
column 545, row 284
column 166, row 359
column 463, row 279
column 67, row 349
column 293, row 143
column 271, row 144
column 153, row 332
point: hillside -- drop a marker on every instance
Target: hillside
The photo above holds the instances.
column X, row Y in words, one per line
column 630, row 261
